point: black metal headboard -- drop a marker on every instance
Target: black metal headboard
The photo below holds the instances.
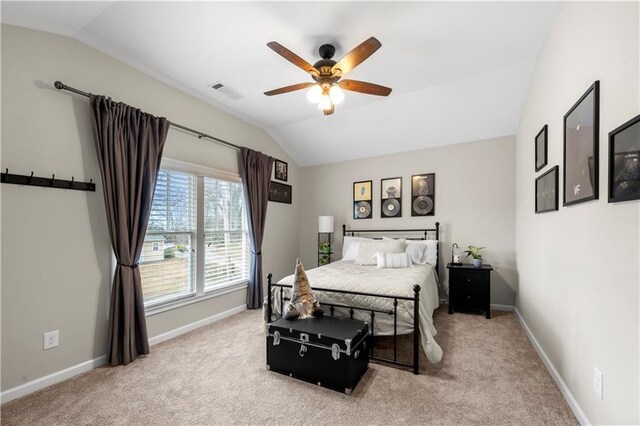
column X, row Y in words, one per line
column 425, row 231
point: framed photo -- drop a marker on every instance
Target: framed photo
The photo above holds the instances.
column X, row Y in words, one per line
column 581, row 126
column 391, row 197
column 423, row 194
column 541, row 149
column 362, row 200
column 547, row 191
column 624, row 162
column 280, row 192
column 281, row 170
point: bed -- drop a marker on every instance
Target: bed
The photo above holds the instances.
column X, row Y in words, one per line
column 393, row 301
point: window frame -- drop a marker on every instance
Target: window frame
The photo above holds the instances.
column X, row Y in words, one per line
column 200, row 292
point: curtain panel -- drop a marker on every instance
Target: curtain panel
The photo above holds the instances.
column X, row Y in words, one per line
column 129, row 145
column 255, row 170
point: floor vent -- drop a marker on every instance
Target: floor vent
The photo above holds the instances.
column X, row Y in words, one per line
column 222, row 88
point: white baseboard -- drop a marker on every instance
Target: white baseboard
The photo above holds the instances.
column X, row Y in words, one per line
column 564, row 389
column 494, row 306
column 51, row 379
column 83, row 367
column 201, row 323
column 506, row 308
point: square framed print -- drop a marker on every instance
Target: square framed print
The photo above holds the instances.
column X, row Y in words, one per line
column 547, row 191
column 280, row 192
column 581, row 126
column 423, row 194
column 281, row 170
column 391, row 197
column 624, row 162
column 362, row 200
column 541, row 149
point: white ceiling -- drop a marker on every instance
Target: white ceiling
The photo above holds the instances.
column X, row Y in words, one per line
column 460, row 71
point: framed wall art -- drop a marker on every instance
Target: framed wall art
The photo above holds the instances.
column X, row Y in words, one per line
column 423, row 194
column 391, row 197
column 581, row 126
column 547, row 191
column 281, row 170
column 541, row 149
column 280, row 192
column 362, row 200
column 624, row 162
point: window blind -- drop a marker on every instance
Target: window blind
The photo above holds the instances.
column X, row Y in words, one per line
column 225, row 232
column 168, row 273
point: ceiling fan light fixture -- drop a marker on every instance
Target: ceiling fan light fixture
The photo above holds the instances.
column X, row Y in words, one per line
column 336, row 94
column 325, row 103
column 314, row 94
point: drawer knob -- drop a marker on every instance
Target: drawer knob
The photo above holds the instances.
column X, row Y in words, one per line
column 468, row 280
column 468, row 297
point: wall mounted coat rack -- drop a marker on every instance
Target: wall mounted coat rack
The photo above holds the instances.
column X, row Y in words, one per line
column 52, row 182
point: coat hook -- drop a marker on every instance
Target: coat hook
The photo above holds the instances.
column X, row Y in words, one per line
column 90, row 181
column 6, row 171
column 71, row 183
column 30, row 177
column 52, row 178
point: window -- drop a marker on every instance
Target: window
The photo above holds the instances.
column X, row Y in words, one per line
column 197, row 238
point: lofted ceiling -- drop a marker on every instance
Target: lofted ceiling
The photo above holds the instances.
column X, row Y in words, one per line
column 460, row 71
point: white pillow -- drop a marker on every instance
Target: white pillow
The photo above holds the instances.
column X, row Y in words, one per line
column 350, row 247
column 394, row 260
column 368, row 249
column 423, row 252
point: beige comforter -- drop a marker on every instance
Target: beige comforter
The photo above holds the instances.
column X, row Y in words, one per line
column 369, row 279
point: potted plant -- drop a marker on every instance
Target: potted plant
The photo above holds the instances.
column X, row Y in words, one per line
column 474, row 252
column 324, row 247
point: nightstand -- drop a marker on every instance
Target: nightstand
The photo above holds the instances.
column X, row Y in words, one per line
column 470, row 288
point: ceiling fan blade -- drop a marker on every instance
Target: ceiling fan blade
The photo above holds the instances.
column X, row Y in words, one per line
column 356, row 56
column 364, row 87
column 288, row 89
column 292, row 57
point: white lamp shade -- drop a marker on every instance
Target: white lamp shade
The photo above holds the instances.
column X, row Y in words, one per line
column 325, row 224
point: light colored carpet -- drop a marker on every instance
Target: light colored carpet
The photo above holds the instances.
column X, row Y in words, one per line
column 490, row 374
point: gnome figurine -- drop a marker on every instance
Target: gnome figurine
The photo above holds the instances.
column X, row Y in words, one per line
column 302, row 304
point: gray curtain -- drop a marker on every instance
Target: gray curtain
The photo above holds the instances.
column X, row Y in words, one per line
column 129, row 144
column 255, row 170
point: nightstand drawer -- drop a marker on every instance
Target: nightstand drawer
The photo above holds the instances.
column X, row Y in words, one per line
column 470, row 278
column 469, row 297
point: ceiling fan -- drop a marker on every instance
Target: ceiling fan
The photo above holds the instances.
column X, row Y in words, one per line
column 327, row 73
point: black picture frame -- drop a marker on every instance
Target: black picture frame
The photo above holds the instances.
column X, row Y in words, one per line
column 624, row 165
column 546, row 191
column 581, row 158
column 423, row 194
column 281, row 170
column 280, row 192
column 363, row 199
column 391, row 197
column 541, row 148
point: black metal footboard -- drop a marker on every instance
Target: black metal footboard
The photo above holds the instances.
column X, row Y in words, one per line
column 372, row 314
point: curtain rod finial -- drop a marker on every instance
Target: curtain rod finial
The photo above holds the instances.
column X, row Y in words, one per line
column 58, row 85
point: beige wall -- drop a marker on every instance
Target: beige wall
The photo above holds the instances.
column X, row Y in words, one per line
column 56, row 257
column 578, row 267
column 475, row 202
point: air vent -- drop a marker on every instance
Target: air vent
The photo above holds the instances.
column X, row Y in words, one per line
column 228, row 91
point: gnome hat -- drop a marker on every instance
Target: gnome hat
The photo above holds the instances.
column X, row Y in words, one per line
column 301, row 282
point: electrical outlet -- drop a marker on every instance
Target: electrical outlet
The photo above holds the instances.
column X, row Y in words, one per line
column 50, row 339
column 597, row 382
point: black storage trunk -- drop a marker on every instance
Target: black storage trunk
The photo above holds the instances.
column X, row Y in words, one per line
column 329, row 351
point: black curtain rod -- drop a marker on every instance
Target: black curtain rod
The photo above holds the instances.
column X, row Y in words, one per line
column 60, row 86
